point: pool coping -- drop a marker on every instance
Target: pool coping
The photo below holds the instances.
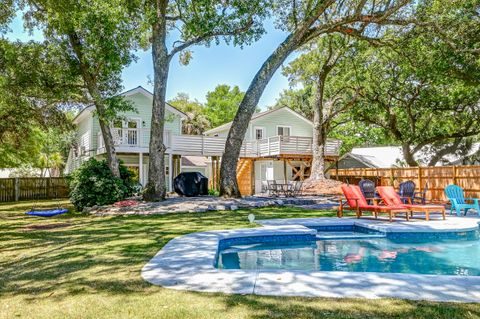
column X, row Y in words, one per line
column 187, row 263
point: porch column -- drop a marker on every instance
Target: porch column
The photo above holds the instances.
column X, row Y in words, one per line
column 140, row 168
column 170, row 172
column 284, row 171
column 177, row 165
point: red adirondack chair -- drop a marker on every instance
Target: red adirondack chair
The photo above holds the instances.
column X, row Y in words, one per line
column 391, row 198
column 356, row 201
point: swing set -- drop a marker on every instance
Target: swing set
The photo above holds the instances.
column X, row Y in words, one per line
column 46, row 212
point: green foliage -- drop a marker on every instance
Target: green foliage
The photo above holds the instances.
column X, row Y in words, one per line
column 414, row 101
column 196, row 122
column 94, row 184
column 300, row 100
column 213, row 192
column 220, row 108
column 37, row 89
column 222, row 104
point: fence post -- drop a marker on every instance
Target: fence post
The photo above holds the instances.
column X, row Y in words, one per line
column 16, row 188
column 419, row 172
column 454, row 169
column 49, row 184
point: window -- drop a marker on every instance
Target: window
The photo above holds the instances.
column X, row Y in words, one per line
column 118, row 123
column 133, row 124
column 283, row 130
column 259, row 133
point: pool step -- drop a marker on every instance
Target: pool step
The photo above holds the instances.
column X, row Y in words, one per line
column 325, row 235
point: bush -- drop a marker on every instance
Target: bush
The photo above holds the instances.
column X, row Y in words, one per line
column 94, row 184
column 213, row 192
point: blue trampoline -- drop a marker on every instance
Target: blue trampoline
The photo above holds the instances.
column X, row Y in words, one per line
column 47, row 213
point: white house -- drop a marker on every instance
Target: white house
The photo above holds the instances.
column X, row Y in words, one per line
column 278, row 144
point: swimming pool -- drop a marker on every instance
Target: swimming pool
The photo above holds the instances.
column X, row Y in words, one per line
column 360, row 250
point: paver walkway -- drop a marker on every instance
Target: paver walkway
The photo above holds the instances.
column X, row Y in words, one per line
column 212, row 203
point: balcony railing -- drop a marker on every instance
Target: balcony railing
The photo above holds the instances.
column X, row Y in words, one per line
column 215, row 146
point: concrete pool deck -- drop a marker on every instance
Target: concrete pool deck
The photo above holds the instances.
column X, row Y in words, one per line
column 188, row 263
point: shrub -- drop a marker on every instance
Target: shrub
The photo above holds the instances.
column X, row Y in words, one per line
column 94, row 184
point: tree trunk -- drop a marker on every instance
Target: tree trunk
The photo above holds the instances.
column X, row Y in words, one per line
column 319, row 131
column 228, row 169
column 156, row 189
column 94, row 92
column 108, row 141
column 449, row 149
column 408, row 155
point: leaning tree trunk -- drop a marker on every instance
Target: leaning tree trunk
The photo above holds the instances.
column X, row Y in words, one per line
column 156, row 189
column 94, row 92
column 108, row 141
column 319, row 131
column 228, row 169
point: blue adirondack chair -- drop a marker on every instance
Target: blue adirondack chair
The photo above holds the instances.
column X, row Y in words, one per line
column 456, row 197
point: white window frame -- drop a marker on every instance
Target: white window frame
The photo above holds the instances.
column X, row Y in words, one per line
column 264, row 132
column 283, row 126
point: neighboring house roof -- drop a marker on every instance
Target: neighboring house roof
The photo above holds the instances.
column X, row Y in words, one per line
column 138, row 89
column 257, row 116
column 376, row 157
column 194, row 161
column 381, row 156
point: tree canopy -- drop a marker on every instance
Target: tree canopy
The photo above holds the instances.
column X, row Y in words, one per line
column 222, row 104
column 37, row 91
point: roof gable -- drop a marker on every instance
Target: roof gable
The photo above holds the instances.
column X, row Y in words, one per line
column 262, row 115
column 138, row 90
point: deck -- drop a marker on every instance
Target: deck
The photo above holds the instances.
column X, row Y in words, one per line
column 137, row 141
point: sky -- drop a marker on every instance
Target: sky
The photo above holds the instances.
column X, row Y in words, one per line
column 209, row 67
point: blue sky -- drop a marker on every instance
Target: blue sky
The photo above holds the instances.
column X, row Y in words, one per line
column 222, row 64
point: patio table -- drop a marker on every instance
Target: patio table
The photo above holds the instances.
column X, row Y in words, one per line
column 284, row 188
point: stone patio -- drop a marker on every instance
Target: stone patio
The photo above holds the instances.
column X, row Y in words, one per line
column 213, row 203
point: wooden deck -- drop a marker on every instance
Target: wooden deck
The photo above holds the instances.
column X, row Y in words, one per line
column 137, row 141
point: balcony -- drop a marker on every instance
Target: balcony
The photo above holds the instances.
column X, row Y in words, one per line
column 137, row 141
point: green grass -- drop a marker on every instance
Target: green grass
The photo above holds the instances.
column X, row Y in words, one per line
column 90, row 268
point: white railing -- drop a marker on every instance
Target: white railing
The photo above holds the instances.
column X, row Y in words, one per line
column 131, row 137
column 215, row 146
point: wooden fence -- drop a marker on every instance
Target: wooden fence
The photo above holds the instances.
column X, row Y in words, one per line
column 32, row 188
column 437, row 177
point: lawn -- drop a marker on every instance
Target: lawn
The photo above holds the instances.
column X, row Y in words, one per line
column 79, row 266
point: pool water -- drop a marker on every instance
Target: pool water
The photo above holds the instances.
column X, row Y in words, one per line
column 376, row 254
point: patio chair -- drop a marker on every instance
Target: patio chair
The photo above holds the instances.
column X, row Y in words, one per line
column 407, row 191
column 356, row 201
column 391, row 198
column 272, row 188
column 455, row 195
column 295, row 189
column 368, row 189
column 421, row 197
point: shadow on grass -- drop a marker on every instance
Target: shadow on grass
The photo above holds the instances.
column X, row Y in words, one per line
column 98, row 254
column 294, row 307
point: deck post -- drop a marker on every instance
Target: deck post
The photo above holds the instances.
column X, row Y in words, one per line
column 140, row 168
column 284, row 171
column 170, row 175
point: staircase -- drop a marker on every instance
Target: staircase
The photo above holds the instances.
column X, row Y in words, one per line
column 245, row 176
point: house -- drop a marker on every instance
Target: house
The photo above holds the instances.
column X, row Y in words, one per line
column 278, row 144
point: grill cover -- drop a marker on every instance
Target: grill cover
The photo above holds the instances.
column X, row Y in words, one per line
column 190, row 184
